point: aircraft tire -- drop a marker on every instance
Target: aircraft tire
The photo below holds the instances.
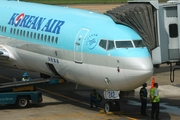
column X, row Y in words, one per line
column 108, row 107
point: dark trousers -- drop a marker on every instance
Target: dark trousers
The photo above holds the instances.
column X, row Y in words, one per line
column 96, row 102
column 155, row 110
column 143, row 106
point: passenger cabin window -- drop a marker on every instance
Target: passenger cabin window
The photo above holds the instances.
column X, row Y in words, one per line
column 17, row 32
column 42, row 37
column 24, row 33
column 14, row 31
column 45, row 38
column 11, row 31
column 21, row 33
column 49, row 38
column 52, row 39
column 56, row 40
column 124, row 44
column 38, row 36
column 32, row 35
column 27, row 35
column 5, row 29
column 2, row 28
column 107, row 44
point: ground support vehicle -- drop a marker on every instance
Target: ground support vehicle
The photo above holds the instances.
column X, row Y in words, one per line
column 22, row 93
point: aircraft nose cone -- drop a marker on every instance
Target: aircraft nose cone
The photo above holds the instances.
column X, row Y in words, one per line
column 139, row 69
column 139, row 64
column 138, row 60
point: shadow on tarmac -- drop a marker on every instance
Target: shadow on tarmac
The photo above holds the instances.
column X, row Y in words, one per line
column 129, row 110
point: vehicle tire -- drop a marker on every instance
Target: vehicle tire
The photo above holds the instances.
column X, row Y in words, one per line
column 22, row 101
column 108, row 107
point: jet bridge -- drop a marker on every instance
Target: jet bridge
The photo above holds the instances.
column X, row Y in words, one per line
column 157, row 24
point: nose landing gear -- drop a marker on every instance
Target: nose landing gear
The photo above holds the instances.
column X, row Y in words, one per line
column 111, row 106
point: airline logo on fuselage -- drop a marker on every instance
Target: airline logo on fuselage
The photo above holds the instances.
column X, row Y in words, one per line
column 36, row 23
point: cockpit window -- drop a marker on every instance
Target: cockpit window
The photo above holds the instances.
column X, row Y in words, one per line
column 124, row 44
column 138, row 43
column 110, row 45
column 107, row 44
column 103, row 44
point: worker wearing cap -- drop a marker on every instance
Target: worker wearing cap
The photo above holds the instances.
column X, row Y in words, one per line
column 143, row 98
column 26, row 77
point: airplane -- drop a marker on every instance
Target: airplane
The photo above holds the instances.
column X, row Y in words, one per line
column 77, row 45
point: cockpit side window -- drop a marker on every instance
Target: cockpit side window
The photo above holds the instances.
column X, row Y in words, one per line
column 103, row 44
column 138, row 43
column 107, row 44
column 124, row 44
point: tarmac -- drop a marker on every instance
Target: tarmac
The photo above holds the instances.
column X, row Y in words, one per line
column 64, row 102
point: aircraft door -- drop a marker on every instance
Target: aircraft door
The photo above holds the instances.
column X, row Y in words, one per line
column 78, row 45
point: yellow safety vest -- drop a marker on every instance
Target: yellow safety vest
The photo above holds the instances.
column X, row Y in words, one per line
column 96, row 96
column 24, row 79
column 157, row 99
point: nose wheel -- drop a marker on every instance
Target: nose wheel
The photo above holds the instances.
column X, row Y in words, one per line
column 111, row 106
column 108, row 107
column 113, row 101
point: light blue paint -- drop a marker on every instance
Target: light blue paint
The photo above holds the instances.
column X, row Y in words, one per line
column 70, row 21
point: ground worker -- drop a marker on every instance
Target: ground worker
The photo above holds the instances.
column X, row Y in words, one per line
column 143, row 98
column 155, row 99
column 95, row 98
column 26, row 77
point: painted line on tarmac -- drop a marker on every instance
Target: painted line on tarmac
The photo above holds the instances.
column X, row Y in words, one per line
column 130, row 118
column 63, row 96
